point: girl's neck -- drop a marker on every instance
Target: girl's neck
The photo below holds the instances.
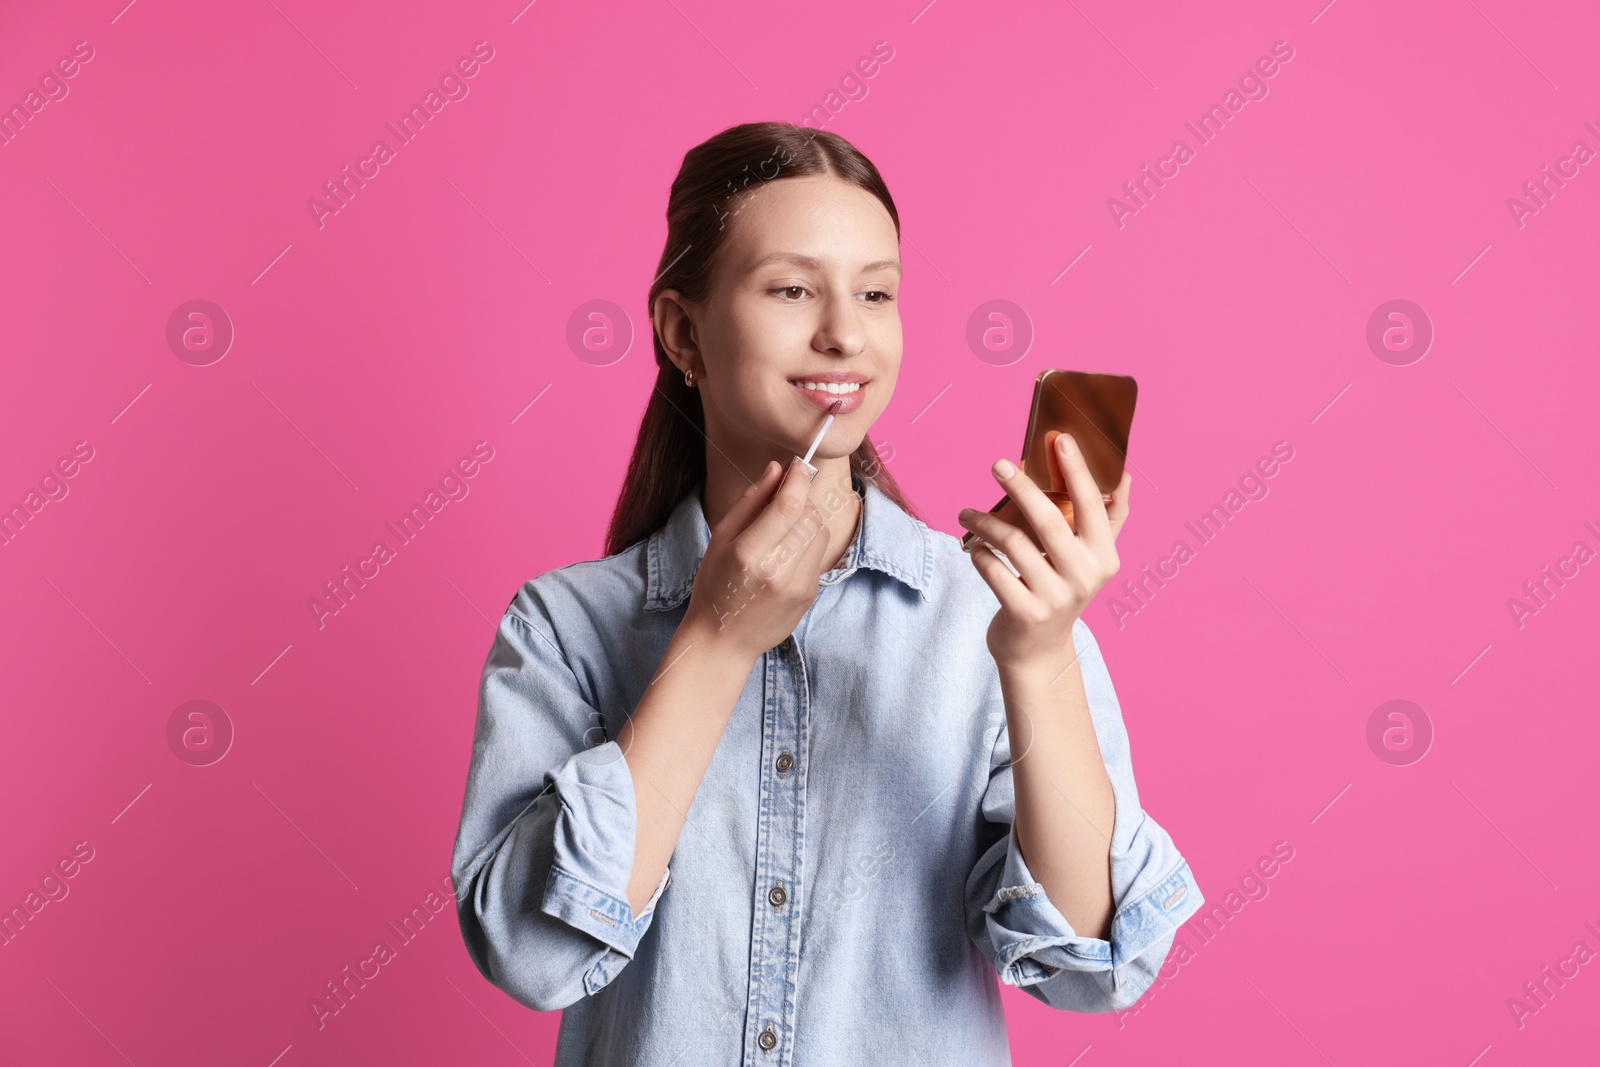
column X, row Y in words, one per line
column 832, row 493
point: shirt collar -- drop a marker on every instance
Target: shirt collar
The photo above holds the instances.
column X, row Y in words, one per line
column 887, row 539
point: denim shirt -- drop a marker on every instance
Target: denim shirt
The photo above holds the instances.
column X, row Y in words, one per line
column 846, row 888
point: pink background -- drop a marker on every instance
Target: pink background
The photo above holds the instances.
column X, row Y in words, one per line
column 430, row 312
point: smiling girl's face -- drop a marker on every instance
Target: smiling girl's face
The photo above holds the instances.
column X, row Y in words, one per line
column 803, row 293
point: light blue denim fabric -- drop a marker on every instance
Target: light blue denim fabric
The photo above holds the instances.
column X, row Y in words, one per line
column 904, row 896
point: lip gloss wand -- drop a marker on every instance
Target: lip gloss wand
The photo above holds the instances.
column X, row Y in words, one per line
column 805, row 463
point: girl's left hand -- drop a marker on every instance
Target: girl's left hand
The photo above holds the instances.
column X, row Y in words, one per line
column 1039, row 605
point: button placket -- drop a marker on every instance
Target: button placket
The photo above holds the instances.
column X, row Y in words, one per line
column 780, row 834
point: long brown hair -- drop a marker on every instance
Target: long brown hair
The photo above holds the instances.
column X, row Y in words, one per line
column 669, row 455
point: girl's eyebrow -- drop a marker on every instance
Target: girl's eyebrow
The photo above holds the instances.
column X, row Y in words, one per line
column 815, row 264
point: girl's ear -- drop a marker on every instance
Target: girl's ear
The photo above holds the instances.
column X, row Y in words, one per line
column 675, row 329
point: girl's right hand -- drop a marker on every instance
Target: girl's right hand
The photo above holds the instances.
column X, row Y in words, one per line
column 760, row 570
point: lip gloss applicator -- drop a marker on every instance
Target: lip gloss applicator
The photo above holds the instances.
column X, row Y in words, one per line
column 805, row 463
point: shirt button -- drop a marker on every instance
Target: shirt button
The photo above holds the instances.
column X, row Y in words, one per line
column 785, row 761
column 777, row 895
column 767, row 1039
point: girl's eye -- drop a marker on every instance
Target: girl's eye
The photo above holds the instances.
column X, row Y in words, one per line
column 884, row 296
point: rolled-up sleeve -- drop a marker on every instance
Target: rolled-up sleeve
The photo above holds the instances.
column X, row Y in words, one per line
column 1012, row 919
column 545, row 847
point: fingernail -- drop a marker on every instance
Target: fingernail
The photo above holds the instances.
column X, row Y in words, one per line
column 1004, row 468
column 964, row 513
column 1068, row 446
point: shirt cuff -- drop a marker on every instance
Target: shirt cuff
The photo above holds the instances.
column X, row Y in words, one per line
column 594, row 847
column 1033, row 941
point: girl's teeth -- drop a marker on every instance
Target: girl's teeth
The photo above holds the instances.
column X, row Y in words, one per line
column 832, row 387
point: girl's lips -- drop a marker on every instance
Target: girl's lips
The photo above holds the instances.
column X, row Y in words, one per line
column 822, row 399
